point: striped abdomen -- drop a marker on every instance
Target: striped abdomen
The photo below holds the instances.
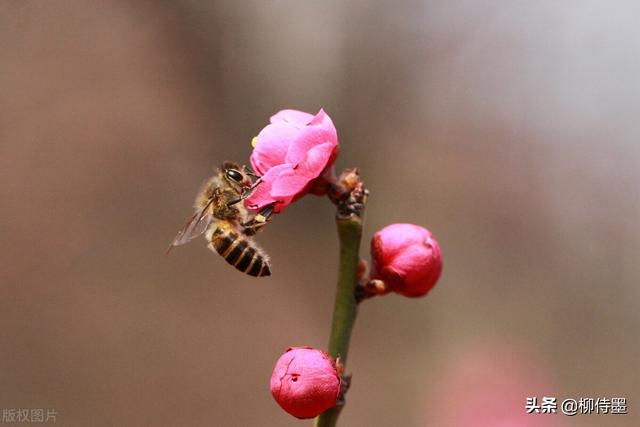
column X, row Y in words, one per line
column 240, row 252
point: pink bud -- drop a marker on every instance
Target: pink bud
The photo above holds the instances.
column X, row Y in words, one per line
column 305, row 382
column 407, row 258
column 291, row 154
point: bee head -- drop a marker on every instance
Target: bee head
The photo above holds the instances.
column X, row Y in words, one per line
column 233, row 174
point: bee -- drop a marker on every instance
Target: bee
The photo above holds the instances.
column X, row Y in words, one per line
column 226, row 223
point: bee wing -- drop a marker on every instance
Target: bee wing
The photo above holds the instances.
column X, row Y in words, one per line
column 196, row 225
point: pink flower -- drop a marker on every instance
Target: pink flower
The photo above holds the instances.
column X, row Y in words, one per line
column 493, row 379
column 407, row 258
column 305, row 382
column 290, row 154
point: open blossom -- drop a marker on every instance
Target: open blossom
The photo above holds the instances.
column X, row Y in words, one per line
column 407, row 258
column 294, row 151
column 305, row 382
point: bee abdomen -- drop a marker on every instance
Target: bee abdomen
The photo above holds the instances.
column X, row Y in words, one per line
column 238, row 251
column 259, row 267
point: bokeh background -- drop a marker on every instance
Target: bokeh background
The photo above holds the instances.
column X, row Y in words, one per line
column 508, row 128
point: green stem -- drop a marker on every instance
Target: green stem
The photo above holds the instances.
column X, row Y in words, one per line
column 345, row 308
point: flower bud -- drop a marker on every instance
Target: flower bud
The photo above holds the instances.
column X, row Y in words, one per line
column 305, row 382
column 407, row 258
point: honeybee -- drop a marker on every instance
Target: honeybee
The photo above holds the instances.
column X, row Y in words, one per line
column 226, row 222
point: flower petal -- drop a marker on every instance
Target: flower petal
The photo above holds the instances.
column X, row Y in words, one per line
column 291, row 182
column 317, row 160
column 272, row 144
column 322, row 131
column 395, row 238
column 294, row 117
column 262, row 194
column 288, row 184
column 319, row 118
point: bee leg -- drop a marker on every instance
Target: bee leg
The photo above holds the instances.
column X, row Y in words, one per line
column 263, row 215
column 245, row 194
column 235, row 201
column 248, row 191
column 259, row 220
column 258, row 179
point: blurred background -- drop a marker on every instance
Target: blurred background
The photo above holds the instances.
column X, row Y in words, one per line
column 508, row 128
